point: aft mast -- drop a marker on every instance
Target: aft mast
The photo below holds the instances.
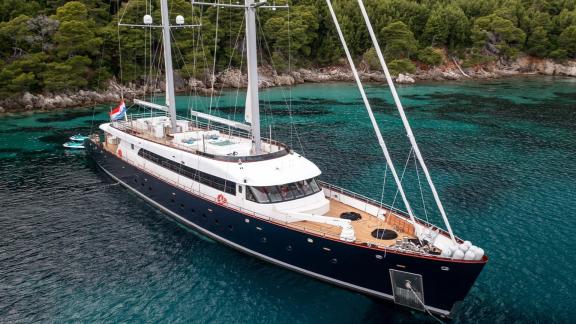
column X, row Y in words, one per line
column 252, row 113
column 252, row 100
column 166, row 41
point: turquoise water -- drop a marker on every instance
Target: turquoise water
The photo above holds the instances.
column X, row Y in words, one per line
column 75, row 246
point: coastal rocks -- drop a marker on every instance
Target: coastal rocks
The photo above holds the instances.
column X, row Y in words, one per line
column 268, row 77
column 405, row 79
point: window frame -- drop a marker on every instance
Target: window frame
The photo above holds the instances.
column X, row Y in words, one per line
column 276, row 189
column 204, row 178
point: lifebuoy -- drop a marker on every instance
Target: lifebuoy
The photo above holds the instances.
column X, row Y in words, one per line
column 221, row 199
column 119, row 152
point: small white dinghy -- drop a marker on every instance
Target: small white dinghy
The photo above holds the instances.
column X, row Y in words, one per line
column 79, row 138
column 74, row 145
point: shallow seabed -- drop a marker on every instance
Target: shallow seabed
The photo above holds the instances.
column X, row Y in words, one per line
column 75, row 246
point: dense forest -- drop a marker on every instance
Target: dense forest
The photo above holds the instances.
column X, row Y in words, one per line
column 57, row 46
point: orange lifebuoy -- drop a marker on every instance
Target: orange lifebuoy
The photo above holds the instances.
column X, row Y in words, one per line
column 221, row 199
column 119, row 152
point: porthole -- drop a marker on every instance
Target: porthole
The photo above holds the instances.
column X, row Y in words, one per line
column 209, row 210
column 289, row 248
column 181, row 206
column 230, row 227
column 259, row 228
column 379, row 256
column 246, row 220
column 150, row 188
column 193, row 210
column 136, row 180
column 444, row 268
column 263, row 240
column 203, row 215
column 334, row 261
column 172, row 200
column 217, row 221
column 310, row 240
column 142, row 184
column 326, row 249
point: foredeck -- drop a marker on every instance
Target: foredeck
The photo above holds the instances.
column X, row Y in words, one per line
column 363, row 227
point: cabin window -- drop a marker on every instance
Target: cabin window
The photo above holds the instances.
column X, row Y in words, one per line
column 285, row 192
column 191, row 173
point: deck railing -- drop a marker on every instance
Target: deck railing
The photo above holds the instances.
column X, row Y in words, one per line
column 189, row 189
column 274, row 148
column 351, row 194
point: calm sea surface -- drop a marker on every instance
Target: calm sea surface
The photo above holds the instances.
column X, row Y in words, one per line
column 74, row 246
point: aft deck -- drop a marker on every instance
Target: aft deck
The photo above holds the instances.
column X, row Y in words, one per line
column 195, row 136
column 363, row 227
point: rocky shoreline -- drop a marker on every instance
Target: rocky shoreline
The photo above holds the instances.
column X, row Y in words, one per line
column 233, row 78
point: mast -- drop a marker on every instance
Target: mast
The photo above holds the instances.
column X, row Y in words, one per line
column 405, row 120
column 170, row 94
column 372, row 118
column 252, row 100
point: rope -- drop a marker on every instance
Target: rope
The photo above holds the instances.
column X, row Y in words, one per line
column 409, row 286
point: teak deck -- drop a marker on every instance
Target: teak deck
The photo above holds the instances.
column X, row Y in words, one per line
column 363, row 227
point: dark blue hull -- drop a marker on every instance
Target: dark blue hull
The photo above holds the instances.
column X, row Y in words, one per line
column 443, row 282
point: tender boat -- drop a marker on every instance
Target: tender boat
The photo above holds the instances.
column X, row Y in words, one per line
column 220, row 178
column 79, row 138
column 74, row 145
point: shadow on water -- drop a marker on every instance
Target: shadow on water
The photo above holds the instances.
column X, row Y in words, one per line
column 66, row 116
column 40, row 129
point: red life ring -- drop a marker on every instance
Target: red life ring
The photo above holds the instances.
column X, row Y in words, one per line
column 119, row 152
column 221, row 199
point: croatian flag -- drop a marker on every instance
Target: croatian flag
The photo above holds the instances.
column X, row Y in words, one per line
column 118, row 112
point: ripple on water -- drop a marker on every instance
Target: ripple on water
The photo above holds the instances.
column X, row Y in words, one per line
column 76, row 247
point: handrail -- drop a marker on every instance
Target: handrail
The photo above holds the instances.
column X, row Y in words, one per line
column 377, row 204
column 127, row 125
column 189, row 189
column 352, row 194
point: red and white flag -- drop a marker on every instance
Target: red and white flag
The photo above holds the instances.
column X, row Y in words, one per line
column 118, row 112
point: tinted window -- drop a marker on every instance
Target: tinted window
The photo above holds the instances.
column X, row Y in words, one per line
column 285, row 192
column 196, row 175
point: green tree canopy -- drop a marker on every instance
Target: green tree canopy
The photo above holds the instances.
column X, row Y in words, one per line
column 498, row 35
column 397, row 41
column 567, row 41
column 447, row 25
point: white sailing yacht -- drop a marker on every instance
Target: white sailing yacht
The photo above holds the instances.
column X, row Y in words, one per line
column 219, row 177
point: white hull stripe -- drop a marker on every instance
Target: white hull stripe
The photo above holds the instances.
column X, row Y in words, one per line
column 264, row 257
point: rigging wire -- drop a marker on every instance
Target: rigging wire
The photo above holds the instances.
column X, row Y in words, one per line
column 120, row 49
column 420, row 186
column 213, row 80
column 288, row 102
column 402, row 176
